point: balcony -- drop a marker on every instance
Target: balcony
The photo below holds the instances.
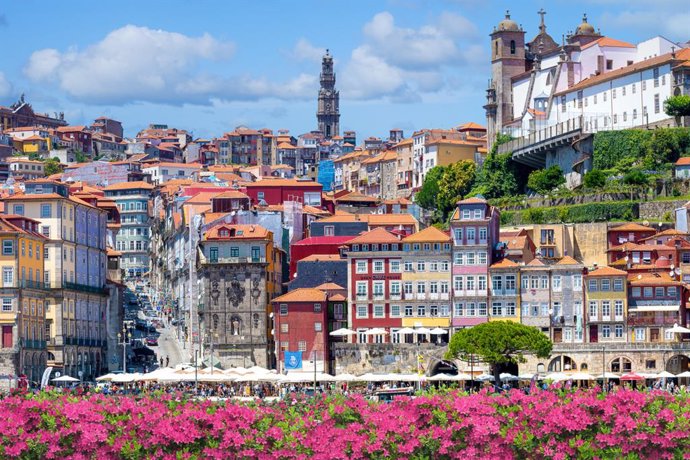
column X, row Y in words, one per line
column 409, row 296
column 236, row 260
column 421, row 296
column 396, row 297
column 34, row 285
column 362, row 297
column 84, row 288
column 434, row 296
column 445, row 296
column 378, row 296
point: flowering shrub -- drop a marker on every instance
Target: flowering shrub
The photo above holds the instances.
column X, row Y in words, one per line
column 543, row 425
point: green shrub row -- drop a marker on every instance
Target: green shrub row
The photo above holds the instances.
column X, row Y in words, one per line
column 578, row 213
column 645, row 147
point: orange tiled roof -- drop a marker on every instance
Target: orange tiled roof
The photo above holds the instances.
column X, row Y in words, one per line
column 377, row 235
column 279, row 182
column 607, row 271
column 302, row 295
column 428, row 235
column 248, row 232
column 471, row 126
column 329, row 287
column 321, row 258
column 631, row 227
column 232, row 194
column 683, row 161
column 504, row 263
column 473, row 200
column 567, row 260
column 606, row 41
column 652, row 279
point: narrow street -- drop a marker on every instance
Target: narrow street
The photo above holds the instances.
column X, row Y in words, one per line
column 169, row 347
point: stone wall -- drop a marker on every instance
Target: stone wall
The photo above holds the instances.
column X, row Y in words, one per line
column 655, row 211
column 399, row 358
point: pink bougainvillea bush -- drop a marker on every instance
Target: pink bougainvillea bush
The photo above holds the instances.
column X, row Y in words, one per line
column 544, row 425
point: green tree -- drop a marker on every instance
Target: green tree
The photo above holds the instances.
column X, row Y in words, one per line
column 498, row 175
column 545, row 180
column 635, row 177
column 52, row 166
column 454, row 184
column 80, row 156
column 498, row 343
column 596, row 178
column 677, row 106
column 428, row 194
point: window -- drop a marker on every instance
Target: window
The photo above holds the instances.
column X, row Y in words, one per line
column 606, row 331
column 213, row 254
column 379, row 311
column 471, row 235
column 525, row 282
column 459, row 309
column 481, row 258
column 395, row 266
column 317, row 308
column 618, row 331
column 409, row 311
column 672, row 291
column 378, row 289
column 497, row 309
column 421, row 266
column 470, row 258
column 361, row 289
column 302, row 345
column 481, row 308
column 482, row 235
column 617, row 284
column 510, row 309
column 395, row 311
column 510, row 283
column 283, row 309
column 46, row 211
column 317, row 326
column 378, row 266
column 556, row 280
column 260, row 196
column 497, row 284
column 609, row 64
column 639, row 334
column 648, row 292
column 7, row 247
column 481, row 283
column 444, row 287
column 579, row 99
column 445, row 266
column 444, row 311
column 408, row 287
column 659, row 292
column 606, row 310
column 7, row 276
column 361, row 266
column 471, row 309
column 593, row 310
column 592, row 285
column 284, row 328
column 395, row 287
column 634, row 115
column 458, row 235
column 457, row 283
column 618, row 309
column 655, row 74
column 421, row 287
column 433, row 266
column 470, row 283
column 544, row 282
column 234, row 251
column 362, row 311
column 637, row 292
column 606, row 284
column 6, row 304
column 408, row 266
column 512, row 47
column 657, row 104
column 19, row 209
column 421, row 311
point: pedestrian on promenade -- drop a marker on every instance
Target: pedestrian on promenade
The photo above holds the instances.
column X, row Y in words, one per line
column 167, row 361
column 161, row 361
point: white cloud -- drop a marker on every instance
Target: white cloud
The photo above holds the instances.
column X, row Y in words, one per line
column 140, row 64
column 5, row 86
column 403, row 63
column 305, row 51
column 669, row 18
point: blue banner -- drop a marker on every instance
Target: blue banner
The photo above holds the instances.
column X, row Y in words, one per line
column 293, row 360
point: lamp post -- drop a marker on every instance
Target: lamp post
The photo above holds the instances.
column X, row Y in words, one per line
column 603, row 365
column 123, row 339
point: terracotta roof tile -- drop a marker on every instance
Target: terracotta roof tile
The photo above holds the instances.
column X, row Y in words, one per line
column 330, row 287
column 567, row 260
column 631, row 227
column 321, row 258
column 129, row 185
column 607, row 271
column 428, row 235
column 249, row 232
column 302, row 295
column 504, row 263
column 377, row 235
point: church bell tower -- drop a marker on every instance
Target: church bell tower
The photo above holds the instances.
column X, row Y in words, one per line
column 328, row 112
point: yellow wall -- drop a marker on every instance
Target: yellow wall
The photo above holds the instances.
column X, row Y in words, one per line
column 450, row 153
column 426, row 322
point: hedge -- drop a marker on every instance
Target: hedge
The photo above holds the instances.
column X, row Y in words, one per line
column 663, row 144
column 579, row 213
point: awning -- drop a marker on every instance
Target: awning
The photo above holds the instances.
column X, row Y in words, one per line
column 654, row 308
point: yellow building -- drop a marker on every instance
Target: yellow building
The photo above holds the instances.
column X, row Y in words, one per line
column 606, row 290
column 426, row 280
column 22, row 315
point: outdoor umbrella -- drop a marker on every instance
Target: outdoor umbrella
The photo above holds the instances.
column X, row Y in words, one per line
column 685, row 374
column 631, row 377
column 665, row 375
column 344, row 378
column 526, row 376
column 608, row 375
column 676, row 329
column 65, row 378
column 581, row 376
column 422, row 331
column 556, row 376
column 484, row 377
column 405, row 330
column 105, row 378
column 376, row 331
column 342, row 332
column 437, row 331
column 507, row 377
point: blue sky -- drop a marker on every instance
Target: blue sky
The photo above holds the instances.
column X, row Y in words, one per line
column 208, row 66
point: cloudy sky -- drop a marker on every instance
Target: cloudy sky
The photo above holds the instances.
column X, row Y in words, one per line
column 208, row 66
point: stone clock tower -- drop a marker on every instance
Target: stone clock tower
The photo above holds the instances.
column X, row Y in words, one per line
column 328, row 113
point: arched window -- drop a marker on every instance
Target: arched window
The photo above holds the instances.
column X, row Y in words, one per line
column 496, row 48
column 512, row 47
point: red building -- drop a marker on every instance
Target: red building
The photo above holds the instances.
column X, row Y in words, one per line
column 278, row 191
column 374, row 264
column 303, row 319
column 77, row 135
column 315, row 245
column 628, row 233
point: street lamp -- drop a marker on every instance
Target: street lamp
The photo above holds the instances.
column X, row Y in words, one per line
column 603, row 365
column 123, row 339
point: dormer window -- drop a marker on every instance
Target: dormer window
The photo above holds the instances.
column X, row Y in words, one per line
column 224, row 233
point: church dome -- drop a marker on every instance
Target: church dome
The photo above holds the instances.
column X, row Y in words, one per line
column 508, row 24
column 585, row 28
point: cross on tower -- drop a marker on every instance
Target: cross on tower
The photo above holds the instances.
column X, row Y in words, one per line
column 542, row 26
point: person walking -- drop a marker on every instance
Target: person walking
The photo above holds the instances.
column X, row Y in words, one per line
column 167, row 361
column 161, row 361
